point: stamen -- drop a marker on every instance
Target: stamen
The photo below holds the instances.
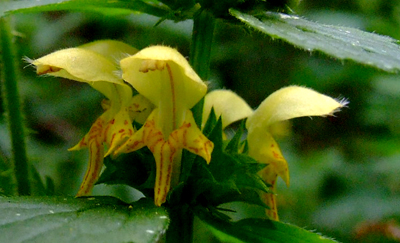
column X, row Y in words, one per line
column 105, row 104
column 152, row 65
column 43, row 69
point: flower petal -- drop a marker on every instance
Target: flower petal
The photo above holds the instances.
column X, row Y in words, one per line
column 147, row 135
column 280, row 106
column 162, row 75
column 264, row 149
column 95, row 132
column 226, row 104
column 96, row 158
column 111, row 129
column 164, row 155
column 140, row 108
column 182, row 76
column 119, row 95
column 94, row 141
column 163, row 151
column 291, row 102
column 111, row 49
column 118, row 130
column 189, row 137
column 94, row 63
column 79, row 65
column 269, row 176
column 166, row 152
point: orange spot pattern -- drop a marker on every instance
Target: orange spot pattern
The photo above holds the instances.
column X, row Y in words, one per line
column 94, row 140
column 186, row 136
column 113, row 133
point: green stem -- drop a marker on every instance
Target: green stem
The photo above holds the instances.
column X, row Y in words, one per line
column 200, row 51
column 181, row 226
column 202, row 38
column 13, row 108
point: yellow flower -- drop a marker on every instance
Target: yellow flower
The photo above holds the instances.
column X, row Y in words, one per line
column 282, row 105
column 227, row 105
column 96, row 63
column 162, row 75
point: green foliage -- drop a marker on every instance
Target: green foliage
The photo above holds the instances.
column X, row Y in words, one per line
column 40, row 188
column 102, row 6
column 357, row 165
column 221, row 8
column 135, row 169
column 7, row 184
column 179, row 5
column 93, row 219
column 12, row 106
column 342, row 43
column 229, row 177
column 256, row 230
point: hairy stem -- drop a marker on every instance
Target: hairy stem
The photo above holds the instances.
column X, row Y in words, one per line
column 181, row 227
column 13, row 108
column 200, row 51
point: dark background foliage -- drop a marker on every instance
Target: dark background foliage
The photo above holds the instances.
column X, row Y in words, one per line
column 344, row 169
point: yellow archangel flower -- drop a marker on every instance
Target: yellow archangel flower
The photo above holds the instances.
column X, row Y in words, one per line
column 162, row 75
column 227, row 105
column 269, row 119
column 96, row 63
column 282, row 105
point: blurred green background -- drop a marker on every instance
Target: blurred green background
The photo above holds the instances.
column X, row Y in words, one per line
column 344, row 169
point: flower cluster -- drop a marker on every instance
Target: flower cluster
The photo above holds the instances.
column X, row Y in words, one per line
column 167, row 89
column 267, row 120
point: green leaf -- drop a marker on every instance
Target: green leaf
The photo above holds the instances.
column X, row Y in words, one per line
column 135, row 169
column 257, row 230
column 229, row 176
column 234, row 144
column 38, row 187
column 104, row 6
column 66, row 219
column 342, row 43
column 239, row 183
column 7, row 180
column 246, row 173
column 210, row 123
column 188, row 157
